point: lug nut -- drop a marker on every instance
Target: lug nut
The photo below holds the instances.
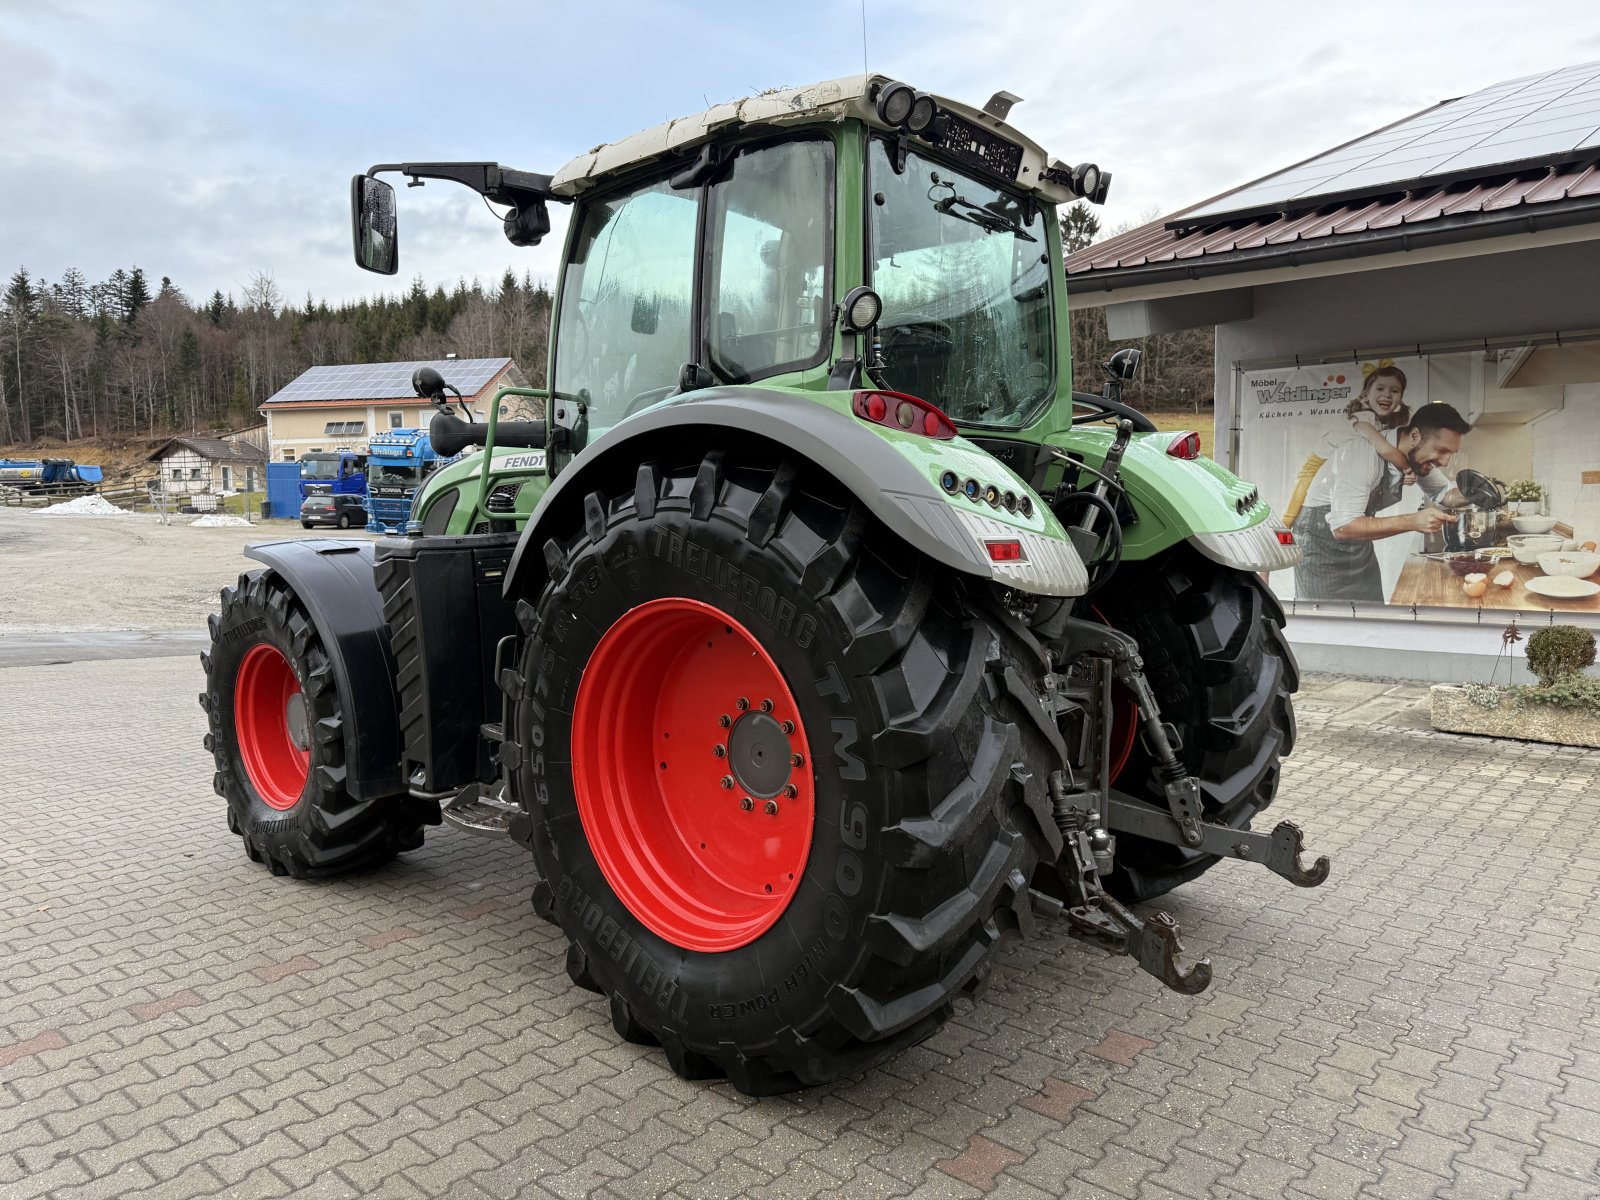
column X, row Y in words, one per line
column 790, row 790
column 727, row 781
column 746, row 803
column 766, row 706
column 724, row 720
column 720, row 751
column 770, row 808
column 797, row 760
column 742, row 704
column 786, row 726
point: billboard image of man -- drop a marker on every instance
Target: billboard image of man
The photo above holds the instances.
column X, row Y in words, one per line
column 1339, row 524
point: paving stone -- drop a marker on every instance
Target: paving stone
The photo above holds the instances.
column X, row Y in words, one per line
column 1419, row 1027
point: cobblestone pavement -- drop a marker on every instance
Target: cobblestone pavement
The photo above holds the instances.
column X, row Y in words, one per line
column 175, row 1022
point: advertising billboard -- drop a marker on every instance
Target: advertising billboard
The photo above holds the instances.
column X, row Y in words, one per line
column 1428, row 481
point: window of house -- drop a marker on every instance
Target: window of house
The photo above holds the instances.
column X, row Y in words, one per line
column 177, row 474
column 194, row 472
column 250, row 479
column 397, row 420
column 288, row 455
column 227, row 479
column 345, row 428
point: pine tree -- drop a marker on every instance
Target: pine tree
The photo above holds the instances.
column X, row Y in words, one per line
column 1079, row 228
column 72, row 294
column 136, row 294
column 216, row 308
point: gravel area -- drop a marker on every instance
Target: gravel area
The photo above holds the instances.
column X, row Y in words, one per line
column 70, row 573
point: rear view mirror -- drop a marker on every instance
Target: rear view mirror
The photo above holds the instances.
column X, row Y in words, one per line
column 372, row 215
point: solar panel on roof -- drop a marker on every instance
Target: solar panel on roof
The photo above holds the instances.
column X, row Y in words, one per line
column 386, row 381
column 1544, row 116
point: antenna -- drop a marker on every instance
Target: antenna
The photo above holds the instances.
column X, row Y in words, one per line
column 864, row 68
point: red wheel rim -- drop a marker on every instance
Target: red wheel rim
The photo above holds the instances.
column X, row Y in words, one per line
column 270, row 719
column 692, row 774
column 1124, row 719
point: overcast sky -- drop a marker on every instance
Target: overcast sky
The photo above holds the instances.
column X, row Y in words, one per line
column 211, row 141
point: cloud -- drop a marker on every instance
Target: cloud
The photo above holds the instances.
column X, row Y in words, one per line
column 207, row 143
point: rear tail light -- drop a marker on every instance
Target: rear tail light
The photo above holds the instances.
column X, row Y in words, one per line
column 1184, row 445
column 1005, row 551
column 895, row 410
column 1285, row 538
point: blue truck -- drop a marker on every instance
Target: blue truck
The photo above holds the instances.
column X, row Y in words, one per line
column 398, row 462
column 336, row 472
column 49, row 476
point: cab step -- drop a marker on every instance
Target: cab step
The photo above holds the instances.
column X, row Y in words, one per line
column 475, row 810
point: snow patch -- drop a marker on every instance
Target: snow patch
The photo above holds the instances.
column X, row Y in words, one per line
column 217, row 520
column 83, row 506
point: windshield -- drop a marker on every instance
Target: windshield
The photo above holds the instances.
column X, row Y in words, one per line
column 964, row 273
column 319, row 468
column 379, row 475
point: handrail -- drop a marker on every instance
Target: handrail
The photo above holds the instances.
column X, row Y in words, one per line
column 480, row 510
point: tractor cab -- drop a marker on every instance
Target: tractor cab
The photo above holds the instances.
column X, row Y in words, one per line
column 712, row 252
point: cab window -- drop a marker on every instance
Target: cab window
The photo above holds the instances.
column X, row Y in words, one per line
column 627, row 297
column 767, row 270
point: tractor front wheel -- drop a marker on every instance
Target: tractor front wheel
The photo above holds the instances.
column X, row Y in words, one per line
column 777, row 781
column 1216, row 658
column 277, row 736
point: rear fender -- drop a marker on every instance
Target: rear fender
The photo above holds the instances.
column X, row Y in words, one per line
column 1196, row 500
column 333, row 579
column 894, row 475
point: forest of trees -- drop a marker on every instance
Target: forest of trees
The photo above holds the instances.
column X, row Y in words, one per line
column 1176, row 371
column 128, row 357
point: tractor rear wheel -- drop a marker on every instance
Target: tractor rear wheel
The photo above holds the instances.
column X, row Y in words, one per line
column 1223, row 673
column 276, row 734
column 779, row 788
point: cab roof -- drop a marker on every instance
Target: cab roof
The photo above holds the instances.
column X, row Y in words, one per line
column 849, row 98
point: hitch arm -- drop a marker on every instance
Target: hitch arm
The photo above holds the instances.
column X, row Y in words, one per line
column 1278, row 851
column 1093, row 915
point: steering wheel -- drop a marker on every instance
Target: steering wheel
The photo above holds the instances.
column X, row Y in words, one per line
column 916, row 333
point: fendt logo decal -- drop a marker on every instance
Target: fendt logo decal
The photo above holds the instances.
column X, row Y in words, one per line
column 522, row 462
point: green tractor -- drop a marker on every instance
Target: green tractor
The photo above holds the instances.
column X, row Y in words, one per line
column 820, row 637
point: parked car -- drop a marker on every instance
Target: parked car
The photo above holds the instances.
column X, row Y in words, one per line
column 344, row 511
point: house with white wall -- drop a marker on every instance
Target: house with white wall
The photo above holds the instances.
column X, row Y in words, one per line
column 340, row 407
column 1454, row 253
column 195, row 466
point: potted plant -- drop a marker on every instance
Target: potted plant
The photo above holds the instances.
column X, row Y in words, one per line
column 1564, row 708
column 1524, row 497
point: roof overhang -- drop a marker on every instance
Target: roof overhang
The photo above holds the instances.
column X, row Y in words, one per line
column 1437, row 241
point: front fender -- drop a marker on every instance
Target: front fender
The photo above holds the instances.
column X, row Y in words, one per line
column 1195, row 500
column 333, row 579
column 894, row 475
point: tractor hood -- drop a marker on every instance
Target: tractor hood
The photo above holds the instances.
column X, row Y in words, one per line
column 835, row 100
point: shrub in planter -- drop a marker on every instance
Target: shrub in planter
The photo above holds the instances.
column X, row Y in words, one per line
column 1559, row 650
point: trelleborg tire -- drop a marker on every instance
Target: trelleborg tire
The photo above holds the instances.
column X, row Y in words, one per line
column 784, row 776
column 1223, row 673
column 277, row 737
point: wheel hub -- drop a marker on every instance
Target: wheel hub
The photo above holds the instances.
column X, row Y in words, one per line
column 758, row 753
column 294, row 717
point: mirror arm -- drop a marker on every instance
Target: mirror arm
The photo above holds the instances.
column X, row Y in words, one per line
column 500, row 184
